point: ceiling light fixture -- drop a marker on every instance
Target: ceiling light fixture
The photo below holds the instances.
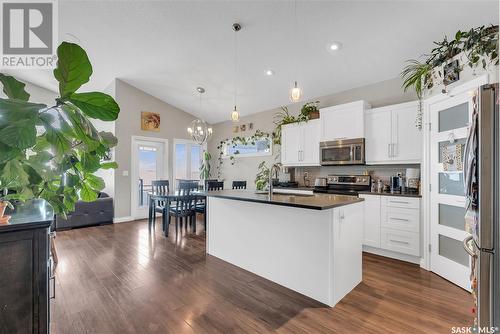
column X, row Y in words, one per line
column 296, row 91
column 199, row 130
column 270, row 72
column 235, row 115
column 335, row 46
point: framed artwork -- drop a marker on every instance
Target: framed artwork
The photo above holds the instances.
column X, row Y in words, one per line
column 236, row 128
column 243, row 127
column 451, row 72
column 150, row 121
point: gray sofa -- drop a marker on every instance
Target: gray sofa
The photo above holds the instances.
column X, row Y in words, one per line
column 98, row 212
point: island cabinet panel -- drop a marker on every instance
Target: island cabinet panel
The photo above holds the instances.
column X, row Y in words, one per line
column 347, row 245
column 371, row 225
column 314, row 252
column 24, row 281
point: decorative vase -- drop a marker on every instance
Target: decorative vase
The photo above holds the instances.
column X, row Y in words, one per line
column 314, row 114
column 3, row 219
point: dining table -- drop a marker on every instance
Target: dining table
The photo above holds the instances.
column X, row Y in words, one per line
column 168, row 198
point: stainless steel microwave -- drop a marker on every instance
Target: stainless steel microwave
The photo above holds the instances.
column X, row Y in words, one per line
column 343, row 152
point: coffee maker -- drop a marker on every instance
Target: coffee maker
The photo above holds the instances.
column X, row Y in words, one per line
column 412, row 180
column 397, row 184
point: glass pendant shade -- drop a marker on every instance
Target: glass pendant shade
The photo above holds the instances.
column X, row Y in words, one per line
column 200, row 131
column 295, row 93
column 235, row 115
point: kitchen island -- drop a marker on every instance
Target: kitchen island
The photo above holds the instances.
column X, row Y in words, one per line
column 311, row 244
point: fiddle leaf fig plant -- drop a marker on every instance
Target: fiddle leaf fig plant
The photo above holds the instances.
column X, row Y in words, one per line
column 52, row 152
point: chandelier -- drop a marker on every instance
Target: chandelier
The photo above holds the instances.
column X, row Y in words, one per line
column 199, row 130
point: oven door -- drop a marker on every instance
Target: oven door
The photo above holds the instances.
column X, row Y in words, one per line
column 343, row 154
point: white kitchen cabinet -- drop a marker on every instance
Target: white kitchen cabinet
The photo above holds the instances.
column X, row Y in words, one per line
column 345, row 121
column 300, row 144
column 391, row 135
column 371, row 226
column 392, row 225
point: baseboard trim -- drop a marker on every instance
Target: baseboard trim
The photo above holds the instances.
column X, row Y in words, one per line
column 117, row 220
column 391, row 254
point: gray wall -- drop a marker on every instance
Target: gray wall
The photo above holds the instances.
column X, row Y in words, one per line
column 378, row 94
column 173, row 125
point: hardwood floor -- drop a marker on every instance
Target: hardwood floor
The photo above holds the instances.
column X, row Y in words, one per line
column 120, row 279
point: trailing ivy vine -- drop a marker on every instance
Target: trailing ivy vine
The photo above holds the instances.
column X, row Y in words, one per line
column 479, row 46
column 235, row 141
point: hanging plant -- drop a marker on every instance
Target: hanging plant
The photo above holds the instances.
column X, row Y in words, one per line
column 236, row 141
column 479, row 46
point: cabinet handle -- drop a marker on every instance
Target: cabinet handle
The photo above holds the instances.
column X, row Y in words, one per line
column 399, row 241
column 401, row 219
column 395, row 152
column 53, row 279
column 389, row 150
column 400, row 202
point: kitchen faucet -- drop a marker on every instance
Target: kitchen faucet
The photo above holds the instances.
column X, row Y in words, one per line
column 274, row 168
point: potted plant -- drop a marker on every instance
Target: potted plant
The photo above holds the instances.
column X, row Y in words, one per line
column 53, row 151
column 205, row 168
column 310, row 110
column 4, row 204
column 262, row 177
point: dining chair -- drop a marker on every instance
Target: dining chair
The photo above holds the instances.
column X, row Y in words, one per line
column 183, row 210
column 239, row 184
column 215, row 185
column 187, row 186
column 160, row 187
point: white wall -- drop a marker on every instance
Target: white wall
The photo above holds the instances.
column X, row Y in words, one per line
column 174, row 123
column 378, row 94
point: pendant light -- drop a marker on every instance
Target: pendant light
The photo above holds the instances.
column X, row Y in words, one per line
column 235, row 115
column 296, row 91
column 199, row 130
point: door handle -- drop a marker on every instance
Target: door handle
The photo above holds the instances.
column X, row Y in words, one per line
column 467, row 248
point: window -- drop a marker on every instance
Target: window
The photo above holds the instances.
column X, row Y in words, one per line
column 248, row 147
column 188, row 157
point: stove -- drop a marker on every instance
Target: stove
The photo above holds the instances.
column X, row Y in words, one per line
column 345, row 184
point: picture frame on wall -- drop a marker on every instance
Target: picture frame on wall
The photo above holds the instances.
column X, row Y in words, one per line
column 150, row 121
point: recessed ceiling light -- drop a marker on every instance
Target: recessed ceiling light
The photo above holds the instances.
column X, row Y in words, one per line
column 270, row 72
column 335, row 46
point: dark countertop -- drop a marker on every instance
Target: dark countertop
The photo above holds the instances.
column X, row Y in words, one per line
column 389, row 194
column 314, row 202
column 32, row 214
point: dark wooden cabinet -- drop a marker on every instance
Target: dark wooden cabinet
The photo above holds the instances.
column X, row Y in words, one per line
column 24, row 270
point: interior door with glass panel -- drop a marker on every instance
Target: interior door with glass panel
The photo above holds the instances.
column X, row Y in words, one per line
column 149, row 167
column 449, row 121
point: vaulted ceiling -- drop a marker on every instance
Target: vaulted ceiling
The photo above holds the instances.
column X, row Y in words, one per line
column 168, row 48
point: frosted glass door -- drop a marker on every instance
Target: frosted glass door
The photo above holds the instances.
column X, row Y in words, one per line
column 449, row 122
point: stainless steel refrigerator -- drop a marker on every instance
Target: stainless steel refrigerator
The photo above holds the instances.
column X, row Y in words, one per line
column 482, row 178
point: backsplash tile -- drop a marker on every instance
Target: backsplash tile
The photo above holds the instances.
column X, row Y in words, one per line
column 383, row 172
